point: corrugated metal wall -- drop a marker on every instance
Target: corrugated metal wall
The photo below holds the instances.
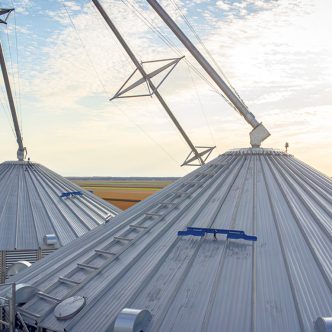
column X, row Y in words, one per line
column 2, row 266
column 13, row 256
column 7, row 258
column 4, row 317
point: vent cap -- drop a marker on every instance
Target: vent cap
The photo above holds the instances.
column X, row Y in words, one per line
column 323, row 324
column 17, row 267
column 50, row 239
column 23, row 293
column 132, row 320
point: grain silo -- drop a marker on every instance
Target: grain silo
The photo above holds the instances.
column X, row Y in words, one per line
column 40, row 210
column 214, row 279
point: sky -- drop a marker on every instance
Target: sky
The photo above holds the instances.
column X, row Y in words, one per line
column 65, row 65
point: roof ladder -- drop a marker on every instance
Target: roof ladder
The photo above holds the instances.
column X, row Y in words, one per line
column 68, row 281
column 87, row 266
column 105, row 252
column 121, row 238
column 29, row 313
column 120, row 243
column 138, row 226
column 48, row 297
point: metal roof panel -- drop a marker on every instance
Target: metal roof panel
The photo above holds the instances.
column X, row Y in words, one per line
column 281, row 282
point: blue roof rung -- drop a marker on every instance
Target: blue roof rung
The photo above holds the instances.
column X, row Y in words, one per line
column 191, row 232
column 231, row 233
column 71, row 194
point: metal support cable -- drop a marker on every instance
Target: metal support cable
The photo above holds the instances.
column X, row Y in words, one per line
column 103, row 86
column 201, row 106
column 11, row 67
column 177, row 50
column 125, row 56
column 21, row 149
column 153, row 28
column 195, row 33
column 143, row 73
column 176, row 162
column 83, row 45
column 248, row 116
column 19, row 101
column 6, row 114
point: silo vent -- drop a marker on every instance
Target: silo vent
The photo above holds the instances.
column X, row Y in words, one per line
column 23, row 293
column 68, row 308
column 50, row 239
column 323, row 324
column 132, row 320
column 17, row 267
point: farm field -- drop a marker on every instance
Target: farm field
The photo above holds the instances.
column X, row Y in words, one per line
column 123, row 193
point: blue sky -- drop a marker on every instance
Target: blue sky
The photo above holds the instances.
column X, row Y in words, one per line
column 277, row 54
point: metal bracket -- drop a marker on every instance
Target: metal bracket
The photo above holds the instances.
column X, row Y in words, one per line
column 4, row 11
column 231, row 233
column 258, row 135
column 192, row 159
column 147, row 78
column 70, row 194
column 124, row 88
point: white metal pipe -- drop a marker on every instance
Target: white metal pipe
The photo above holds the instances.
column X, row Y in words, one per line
column 21, row 148
column 233, row 98
column 12, row 309
column 204, row 63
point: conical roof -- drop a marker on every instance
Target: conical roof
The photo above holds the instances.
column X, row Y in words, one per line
column 31, row 207
column 281, row 282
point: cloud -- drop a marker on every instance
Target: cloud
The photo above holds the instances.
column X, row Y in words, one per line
column 223, row 5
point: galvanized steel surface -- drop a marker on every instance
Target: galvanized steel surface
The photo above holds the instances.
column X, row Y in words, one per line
column 30, row 208
column 282, row 282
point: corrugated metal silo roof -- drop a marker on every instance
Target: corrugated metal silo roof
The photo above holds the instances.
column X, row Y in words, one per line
column 31, row 207
column 282, row 282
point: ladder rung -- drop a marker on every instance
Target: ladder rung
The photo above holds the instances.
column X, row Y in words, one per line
column 150, row 214
column 104, row 252
column 138, row 226
column 69, row 281
column 28, row 313
column 182, row 193
column 168, row 203
column 120, row 238
column 87, row 266
column 48, row 297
